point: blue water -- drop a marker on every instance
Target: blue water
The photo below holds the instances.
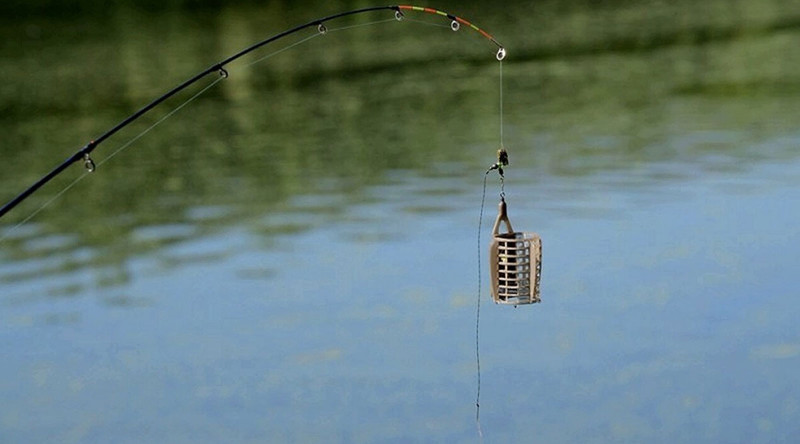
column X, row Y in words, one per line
column 668, row 314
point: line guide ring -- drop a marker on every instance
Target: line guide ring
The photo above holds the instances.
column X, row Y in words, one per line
column 88, row 163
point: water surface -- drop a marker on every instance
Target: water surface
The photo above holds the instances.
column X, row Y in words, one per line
column 292, row 257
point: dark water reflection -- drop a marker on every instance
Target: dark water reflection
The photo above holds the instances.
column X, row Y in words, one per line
column 292, row 257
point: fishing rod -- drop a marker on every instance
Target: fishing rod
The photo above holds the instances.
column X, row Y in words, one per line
column 84, row 153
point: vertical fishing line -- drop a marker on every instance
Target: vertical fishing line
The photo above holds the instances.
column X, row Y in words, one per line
column 478, row 315
column 502, row 146
column 480, row 280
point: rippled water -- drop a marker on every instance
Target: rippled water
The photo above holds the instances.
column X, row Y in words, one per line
column 293, row 256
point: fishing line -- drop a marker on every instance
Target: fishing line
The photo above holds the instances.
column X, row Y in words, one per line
column 502, row 160
column 89, row 170
column 478, row 314
column 361, row 25
column 502, row 146
column 299, row 42
column 423, row 22
column 320, row 32
column 161, row 120
column 13, row 229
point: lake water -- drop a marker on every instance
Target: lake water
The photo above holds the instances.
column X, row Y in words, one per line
column 293, row 256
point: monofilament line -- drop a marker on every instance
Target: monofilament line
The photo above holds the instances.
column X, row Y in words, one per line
column 315, row 35
column 361, row 25
column 10, row 231
column 423, row 22
column 13, row 229
column 501, row 105
column 272, row 54
column 478, row 315
column 161, row 120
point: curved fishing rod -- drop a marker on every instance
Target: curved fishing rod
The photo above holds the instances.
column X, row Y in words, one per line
column 219, row 67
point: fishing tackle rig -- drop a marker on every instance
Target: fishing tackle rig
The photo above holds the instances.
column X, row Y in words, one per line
column 515, row 262
column 85, row 153
column 515, row 258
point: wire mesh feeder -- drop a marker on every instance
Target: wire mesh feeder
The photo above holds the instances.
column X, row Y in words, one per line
column 515, row 259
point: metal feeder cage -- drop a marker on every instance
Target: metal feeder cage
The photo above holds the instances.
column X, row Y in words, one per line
column 515, row 259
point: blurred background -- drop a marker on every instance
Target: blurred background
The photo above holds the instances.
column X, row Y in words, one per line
column 293, row 256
